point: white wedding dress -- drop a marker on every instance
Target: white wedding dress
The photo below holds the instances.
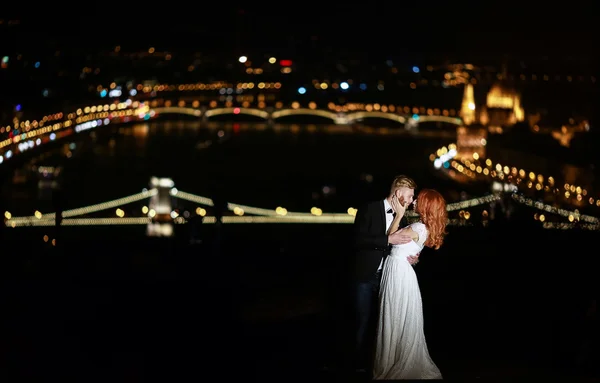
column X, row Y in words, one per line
column 401, row 351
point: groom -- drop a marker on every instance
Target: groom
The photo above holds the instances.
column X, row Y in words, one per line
column 372, row 245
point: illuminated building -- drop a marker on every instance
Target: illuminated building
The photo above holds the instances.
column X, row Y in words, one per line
column 501, row 109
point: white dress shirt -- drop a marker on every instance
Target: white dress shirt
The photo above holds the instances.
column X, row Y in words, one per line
column 389, row 217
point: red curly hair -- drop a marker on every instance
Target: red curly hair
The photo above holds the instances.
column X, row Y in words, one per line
column 431, row 207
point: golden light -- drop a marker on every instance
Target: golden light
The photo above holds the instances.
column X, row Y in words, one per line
column 200, row 211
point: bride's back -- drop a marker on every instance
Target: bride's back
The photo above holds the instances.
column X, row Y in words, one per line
column 413, row 247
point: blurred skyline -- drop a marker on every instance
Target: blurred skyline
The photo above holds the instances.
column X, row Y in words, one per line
column 152, row 154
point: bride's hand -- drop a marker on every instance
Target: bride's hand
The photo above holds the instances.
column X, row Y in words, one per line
column 397, row 206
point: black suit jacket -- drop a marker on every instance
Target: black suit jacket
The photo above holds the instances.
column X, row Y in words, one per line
column 370, row 239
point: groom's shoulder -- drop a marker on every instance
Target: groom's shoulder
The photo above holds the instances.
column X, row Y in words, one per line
column 370, row 205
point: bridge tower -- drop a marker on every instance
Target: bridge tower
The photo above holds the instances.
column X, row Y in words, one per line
column 160, row 208
column 203, row 110
column 412, row 124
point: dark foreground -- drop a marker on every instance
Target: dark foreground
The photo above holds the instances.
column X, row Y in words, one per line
column 499, row 304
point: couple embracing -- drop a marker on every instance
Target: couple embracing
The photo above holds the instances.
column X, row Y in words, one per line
column 387, row 290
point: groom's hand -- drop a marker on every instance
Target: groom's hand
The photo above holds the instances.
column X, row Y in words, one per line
column 399, row 238
column 413, row 259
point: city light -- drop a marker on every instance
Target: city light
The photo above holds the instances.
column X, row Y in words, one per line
column 94, row 116
column 243, row 59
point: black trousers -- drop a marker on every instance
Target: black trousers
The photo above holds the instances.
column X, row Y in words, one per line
column 367, row 312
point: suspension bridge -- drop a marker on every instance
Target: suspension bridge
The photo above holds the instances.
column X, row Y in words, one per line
column 159, row 211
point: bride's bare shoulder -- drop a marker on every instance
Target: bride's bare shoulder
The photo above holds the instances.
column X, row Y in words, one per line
column 420, row 229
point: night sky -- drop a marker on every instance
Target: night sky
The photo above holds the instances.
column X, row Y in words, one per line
column 455, row 30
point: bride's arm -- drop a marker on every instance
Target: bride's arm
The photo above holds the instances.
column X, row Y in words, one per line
column 399, row 209
column 407, row 230
column 395, row 226
column 413, row 234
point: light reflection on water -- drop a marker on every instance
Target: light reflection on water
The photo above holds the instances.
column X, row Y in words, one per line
column 253, row 163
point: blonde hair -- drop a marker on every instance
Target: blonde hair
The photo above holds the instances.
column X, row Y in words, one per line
column 402, row 181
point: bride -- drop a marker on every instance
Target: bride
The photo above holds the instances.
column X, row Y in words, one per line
column 401, row 351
